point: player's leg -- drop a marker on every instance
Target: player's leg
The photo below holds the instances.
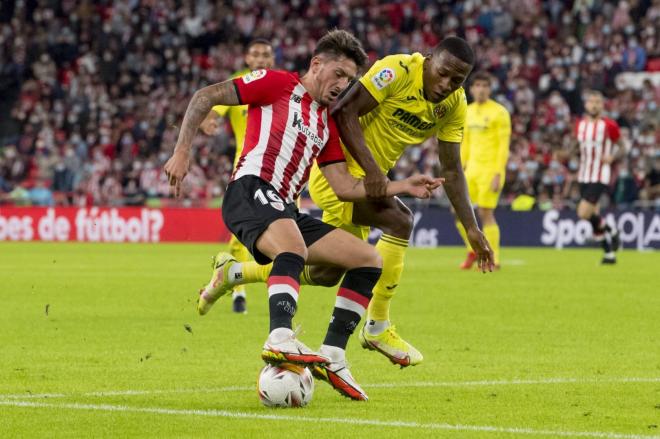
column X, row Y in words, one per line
column 362, row 264
column 396, row 221
column 588, row 210
column 241, row 254
column 471, row 256
column 283, row 243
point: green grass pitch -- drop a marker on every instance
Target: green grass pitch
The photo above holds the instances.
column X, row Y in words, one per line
column 104, row 341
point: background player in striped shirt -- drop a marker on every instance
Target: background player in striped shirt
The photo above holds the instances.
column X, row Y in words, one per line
column 288, row 128
column 484, row 153
column 597, row 138
column 258, row 55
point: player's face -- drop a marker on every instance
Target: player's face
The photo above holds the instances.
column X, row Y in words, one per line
column 332, row 75
column 480, row 90
column 259, row 56
column 443, row 74
column 594, row 105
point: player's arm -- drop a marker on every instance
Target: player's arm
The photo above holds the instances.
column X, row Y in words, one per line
column 349, row 188
column 223, row 93
column 355, row 103
column 456, row 189
column 618, row 150
column 465, row 148
column 503, row 140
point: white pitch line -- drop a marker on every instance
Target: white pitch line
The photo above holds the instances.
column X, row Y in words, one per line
column 351, row 421
column 513, row 382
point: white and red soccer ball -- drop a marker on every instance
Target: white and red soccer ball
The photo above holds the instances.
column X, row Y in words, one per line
column 285, row 385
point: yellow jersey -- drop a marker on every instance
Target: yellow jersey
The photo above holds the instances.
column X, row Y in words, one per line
column 487, row 135
column 237, row 115
column 404, row 117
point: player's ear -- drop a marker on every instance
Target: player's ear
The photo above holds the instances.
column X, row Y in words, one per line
column 315, row 64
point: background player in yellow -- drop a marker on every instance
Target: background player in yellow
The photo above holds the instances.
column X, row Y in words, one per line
column 402, row 100
column 484, row 153
column 258, row 55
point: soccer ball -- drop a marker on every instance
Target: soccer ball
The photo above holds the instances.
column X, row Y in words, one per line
column 285, row 385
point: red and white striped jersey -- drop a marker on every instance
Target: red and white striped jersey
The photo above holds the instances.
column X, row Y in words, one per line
column 596, row 140
column 286, row 131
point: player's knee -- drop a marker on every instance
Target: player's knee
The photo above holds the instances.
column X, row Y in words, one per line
column 400, row 223
column 300, row 250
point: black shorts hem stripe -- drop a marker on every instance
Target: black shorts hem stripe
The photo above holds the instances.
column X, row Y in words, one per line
column 238, row 93
column 331, row 162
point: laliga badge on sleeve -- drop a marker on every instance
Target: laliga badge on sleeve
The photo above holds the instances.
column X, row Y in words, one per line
column 253, row 76
column 383, row 78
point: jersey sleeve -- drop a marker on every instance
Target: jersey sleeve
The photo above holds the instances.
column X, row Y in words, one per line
column 331, row 152
column 261, row 87
column 386, row 77
column 452, row 130
column 614, row 131
column 221, row 110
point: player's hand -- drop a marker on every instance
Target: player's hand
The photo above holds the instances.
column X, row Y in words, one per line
column 375, row 184
column 422, row 186
column 176, row 169
column 608, row 159
column 210, row 125
column 480, row 245
column 495, row 184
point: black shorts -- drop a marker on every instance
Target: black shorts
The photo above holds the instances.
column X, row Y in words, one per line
column 591, row 192
column 250, row 205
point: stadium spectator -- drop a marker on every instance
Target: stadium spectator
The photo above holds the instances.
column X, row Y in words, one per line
column 110, row 80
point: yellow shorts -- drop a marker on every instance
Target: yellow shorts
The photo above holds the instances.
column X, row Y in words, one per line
column 335, row 212
column 479, row 185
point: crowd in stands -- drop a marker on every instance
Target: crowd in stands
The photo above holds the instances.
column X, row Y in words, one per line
column 92, row 91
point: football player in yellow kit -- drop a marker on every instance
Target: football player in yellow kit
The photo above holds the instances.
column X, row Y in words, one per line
column 258, row 55
column 484, row 153
column 402, row 100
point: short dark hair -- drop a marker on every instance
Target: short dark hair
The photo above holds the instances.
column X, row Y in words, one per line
column 256, row 41
column 339, row 42
column 482, row 76
column 457, row 47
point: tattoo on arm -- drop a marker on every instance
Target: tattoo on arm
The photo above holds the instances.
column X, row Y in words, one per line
column 455, row 184
column 201, row 103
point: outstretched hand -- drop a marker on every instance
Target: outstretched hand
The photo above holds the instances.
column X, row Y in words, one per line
column 422, row 186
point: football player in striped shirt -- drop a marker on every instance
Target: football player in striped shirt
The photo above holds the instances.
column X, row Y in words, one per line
column 597, row 138
column 289, row 127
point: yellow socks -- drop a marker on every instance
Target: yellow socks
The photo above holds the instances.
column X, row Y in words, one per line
column 254, row 273
column 392, row 250
column 463, row 233
column 492, row 233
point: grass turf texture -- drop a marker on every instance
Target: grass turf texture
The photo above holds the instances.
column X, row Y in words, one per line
column 82, row 318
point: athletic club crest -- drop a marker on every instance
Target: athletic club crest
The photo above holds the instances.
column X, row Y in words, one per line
column 440, row 111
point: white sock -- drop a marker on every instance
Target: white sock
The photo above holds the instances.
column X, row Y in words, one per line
column 279, row 334
column 376, row 327
column 610, row 255
column 335, row 353
column 235, row 274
